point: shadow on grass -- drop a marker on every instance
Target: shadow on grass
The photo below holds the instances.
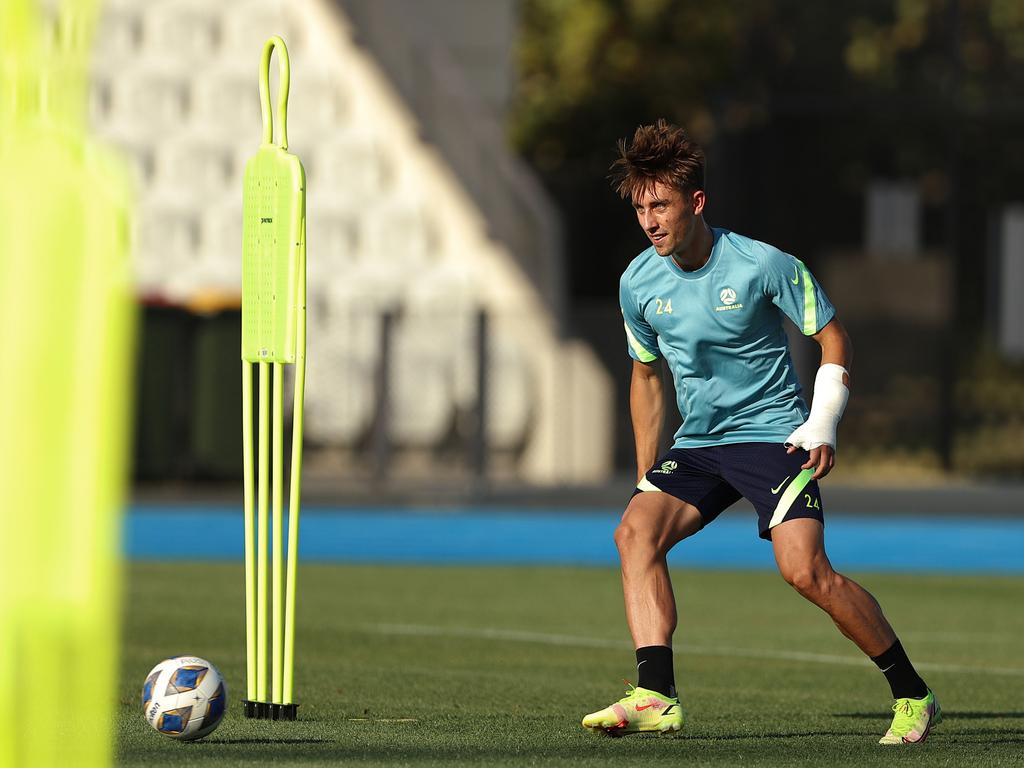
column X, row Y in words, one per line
column 974, row 733
column 982, row 740
column 946, row 715
column 711, row 751
column 837, row 747
column 268, row 741
column 757, row 736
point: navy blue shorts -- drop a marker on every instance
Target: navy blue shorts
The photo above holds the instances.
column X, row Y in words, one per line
column 713, row 479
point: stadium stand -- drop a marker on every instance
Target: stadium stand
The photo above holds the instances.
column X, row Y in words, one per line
column 393, row 228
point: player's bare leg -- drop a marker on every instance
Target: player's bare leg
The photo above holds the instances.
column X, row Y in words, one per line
column 800, row 554
column 652, row 524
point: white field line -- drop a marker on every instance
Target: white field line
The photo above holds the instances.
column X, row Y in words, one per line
column 959, row 637
column 575, row 641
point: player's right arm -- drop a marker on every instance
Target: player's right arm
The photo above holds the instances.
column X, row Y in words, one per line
column 645, row 389
column 646, row 408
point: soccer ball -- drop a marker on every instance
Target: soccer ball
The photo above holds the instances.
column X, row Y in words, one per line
column 184, row 697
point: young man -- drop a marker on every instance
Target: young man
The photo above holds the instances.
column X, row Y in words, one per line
column 710, row 302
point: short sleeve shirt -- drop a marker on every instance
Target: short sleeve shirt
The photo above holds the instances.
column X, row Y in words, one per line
column 719, row 329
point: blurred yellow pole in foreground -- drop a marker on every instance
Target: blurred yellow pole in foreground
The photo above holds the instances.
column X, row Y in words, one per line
column 66, row 329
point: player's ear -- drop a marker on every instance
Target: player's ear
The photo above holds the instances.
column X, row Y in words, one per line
column 698, row 199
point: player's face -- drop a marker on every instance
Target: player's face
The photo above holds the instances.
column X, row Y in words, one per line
column 669, row 217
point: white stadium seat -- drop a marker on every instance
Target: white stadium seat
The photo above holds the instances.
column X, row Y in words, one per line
column 422, row 410
column 334, row 238
column 377, row 283
column 119, row 38
column 402, row 230
column 339, row 398
column 149, row 104
column 101, row 99
column 139, row 155
column 168, row 245
column 218, row 276
column 510, row 396
column 350, row 168
column 248, row 23
column 318, row 107
column 445, row 299
column 190, row 32
column 221, row 240
column 170, row 233
column 192, row 165
column 342, row 355
column 227, row 107
column 352, row 322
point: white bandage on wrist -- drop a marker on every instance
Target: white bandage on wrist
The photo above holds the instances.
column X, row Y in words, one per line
column 830, row 396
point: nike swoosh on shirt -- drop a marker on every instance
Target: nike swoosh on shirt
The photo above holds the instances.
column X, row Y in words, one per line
column 796, row 276
column 779, row 488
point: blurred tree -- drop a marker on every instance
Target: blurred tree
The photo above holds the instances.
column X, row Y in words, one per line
column 798, row 105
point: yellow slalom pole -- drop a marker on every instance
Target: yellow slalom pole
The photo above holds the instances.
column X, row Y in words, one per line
column 278, row 482
column 66, row 328
column 296, row 479
column 250, row 511
column 273, row 289
column 261, row 535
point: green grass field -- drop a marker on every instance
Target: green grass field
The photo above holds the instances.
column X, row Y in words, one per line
column 496, row 666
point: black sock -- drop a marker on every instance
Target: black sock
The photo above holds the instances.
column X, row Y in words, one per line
column 654, row 670
column 903, row 678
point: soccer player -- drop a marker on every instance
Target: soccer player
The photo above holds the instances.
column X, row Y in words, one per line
column 710, row 303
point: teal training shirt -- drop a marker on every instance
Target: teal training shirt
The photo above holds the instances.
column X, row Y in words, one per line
column 720, row 330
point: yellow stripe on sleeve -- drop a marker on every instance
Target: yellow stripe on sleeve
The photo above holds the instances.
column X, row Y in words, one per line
column 641, row 351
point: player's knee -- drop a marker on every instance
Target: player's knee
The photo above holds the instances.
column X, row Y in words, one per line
column 810, row 580
column 625, row 536
column 631, row 539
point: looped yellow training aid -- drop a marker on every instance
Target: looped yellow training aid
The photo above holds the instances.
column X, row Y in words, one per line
column 284, row 82
column 273, row 334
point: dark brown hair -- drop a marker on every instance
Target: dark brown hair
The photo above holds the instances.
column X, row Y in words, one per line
column 661, row 152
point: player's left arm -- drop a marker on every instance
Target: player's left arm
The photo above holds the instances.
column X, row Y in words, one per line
column 831, row 391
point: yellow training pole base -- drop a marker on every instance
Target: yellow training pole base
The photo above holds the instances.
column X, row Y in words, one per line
column 264, row 710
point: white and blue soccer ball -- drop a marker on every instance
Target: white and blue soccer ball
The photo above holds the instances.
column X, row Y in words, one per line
column 184, row 697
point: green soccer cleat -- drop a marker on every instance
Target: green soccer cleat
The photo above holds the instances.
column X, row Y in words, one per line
column 913, row 720
column 639, row 711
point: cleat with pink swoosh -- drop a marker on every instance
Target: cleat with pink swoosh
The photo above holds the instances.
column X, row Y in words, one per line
column 640, row 711
column 913, row 720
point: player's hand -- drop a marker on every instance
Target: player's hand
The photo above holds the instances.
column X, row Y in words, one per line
column 822, row 458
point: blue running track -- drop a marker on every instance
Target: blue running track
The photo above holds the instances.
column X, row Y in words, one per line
column 579, row 537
